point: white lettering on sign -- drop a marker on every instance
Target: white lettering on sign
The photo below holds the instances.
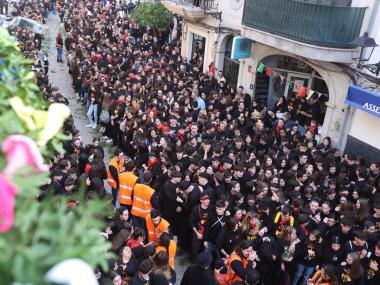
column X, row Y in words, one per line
column 372, row 107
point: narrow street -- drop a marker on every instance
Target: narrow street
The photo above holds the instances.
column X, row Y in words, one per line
column 241, row 142
column 60, row 77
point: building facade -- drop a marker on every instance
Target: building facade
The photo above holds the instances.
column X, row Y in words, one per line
column 208, row 28
column 305, row 42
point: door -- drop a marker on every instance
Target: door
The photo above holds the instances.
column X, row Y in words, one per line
column 198, row 47
column 230, row 66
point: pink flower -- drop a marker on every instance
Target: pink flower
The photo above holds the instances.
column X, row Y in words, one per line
column 7, row 201
column 22, row 151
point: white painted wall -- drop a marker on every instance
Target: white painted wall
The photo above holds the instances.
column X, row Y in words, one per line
column 362, row 3
column 375, row 58
column 366, row 128
column 232, row 13
column 193, row 28
column 369, row 4
column 374, row 32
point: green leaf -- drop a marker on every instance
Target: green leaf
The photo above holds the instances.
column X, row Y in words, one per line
column 6, row 128
column 27, row 180
column 48, row 231
column 152, row 14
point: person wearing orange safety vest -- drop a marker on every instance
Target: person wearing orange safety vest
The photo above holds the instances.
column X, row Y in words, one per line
column 127, row 182
column 167, row 244
column 155, row 225
column 241, row 264
column 116, row 166
column 144, row 200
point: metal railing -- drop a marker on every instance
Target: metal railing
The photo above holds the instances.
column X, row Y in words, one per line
column 204, row 4
column 328, row 26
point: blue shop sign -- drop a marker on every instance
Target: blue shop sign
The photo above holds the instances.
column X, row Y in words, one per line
column 241, row 48
column 364, row 99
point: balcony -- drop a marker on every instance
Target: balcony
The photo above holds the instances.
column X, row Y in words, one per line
column 319, row 25
column 192, row 10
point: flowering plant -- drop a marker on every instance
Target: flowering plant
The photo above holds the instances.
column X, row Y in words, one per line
column 35, row 236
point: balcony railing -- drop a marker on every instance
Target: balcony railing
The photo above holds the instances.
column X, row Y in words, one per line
column 327, row 26
column 204, row 4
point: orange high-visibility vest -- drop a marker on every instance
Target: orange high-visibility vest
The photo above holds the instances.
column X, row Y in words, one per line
column 171, row 253
column 232, row 275
column 119, row 167
column 154, row 232
column 317, row 279
column 141, row 200
column 127, row 181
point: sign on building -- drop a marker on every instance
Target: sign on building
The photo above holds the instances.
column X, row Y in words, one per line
column 364, row 99
column 241, row 48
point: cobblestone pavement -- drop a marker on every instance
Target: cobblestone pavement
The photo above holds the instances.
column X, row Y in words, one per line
column 60, row 77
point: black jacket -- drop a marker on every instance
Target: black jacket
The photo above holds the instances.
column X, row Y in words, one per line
column 214, row 224
column 309, row 259
column 346, row 278
column 169, row 202
column 372, row 277
column 137, row 280
column 195, row 274
column 227, row 240
column 198, row 217
column 158, row 278
column 333, row 257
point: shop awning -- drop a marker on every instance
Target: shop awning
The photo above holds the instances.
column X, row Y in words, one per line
column 363, row 99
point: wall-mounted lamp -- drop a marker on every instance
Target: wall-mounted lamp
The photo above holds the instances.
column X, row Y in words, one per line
column 365, row 42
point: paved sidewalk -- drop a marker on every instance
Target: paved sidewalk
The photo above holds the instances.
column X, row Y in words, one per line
column 60, row 77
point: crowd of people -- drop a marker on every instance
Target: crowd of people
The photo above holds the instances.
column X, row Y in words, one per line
column 200, row 168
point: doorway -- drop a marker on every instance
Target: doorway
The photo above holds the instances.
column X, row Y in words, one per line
column 198, row 49
column 286, row 70
column 230, row 66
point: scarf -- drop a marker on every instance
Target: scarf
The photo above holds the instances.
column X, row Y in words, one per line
column 132, row 243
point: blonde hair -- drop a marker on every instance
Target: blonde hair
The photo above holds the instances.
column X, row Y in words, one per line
column 246, row 221
column 287, row 234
